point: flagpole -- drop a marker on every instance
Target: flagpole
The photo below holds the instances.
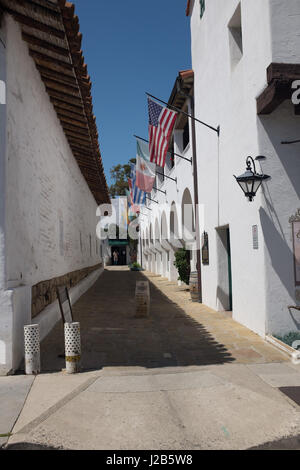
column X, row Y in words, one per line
column 287, row 142
column 217, row 130
column 160, row 190
column 149, row 199
column 168, row 177
column 176, row 154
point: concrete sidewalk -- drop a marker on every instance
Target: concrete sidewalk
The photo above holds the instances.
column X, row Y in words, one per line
column 185, row 378
column 214, row 407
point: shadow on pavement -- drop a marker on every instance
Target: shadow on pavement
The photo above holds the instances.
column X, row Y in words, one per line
column 112, row 336
column 288, row 443
column 29, row 446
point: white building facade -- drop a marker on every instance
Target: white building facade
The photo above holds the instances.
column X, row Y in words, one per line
column 245, row 58
column 48, row 207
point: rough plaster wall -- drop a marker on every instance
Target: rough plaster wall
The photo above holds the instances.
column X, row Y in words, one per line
column 285, row 21
column 49, row 205
column 281, row 201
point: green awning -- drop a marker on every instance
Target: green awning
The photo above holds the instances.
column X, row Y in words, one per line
column 118, row 242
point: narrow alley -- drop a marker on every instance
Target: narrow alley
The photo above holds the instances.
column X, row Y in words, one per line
column 184, row 378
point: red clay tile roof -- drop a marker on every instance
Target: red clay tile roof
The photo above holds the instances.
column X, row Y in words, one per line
column 51, row 30
column 187, row 11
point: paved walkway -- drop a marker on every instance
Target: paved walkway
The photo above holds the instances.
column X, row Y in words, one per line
column 177, row 333
column 185, row 378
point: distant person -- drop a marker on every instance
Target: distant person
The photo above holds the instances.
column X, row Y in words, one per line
column 115, row 257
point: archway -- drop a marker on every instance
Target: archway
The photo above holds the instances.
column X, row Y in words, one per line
column 165, row 246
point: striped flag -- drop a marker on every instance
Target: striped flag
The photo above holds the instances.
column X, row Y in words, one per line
column 138, row 196
column 133, row 210
column 161, row 123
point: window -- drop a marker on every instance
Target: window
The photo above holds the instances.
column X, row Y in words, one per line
column 186, row 135
column 160, row 176
column 170, row 159
column 202, row 8
column 236, row 37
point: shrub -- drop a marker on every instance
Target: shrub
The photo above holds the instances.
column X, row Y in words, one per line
column 135, row 265
column 182, row 263
column 289, row 338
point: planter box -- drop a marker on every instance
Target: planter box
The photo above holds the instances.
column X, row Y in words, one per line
column 291, row 352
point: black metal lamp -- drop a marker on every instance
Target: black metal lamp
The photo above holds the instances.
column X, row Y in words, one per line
column 250, row 181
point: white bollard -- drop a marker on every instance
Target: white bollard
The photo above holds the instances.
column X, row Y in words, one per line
column 72, row 347
column 32, row 349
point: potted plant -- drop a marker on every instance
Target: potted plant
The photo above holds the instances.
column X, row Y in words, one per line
column 182, row 263
column 135, row 266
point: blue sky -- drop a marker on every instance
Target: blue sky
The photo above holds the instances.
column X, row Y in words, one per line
column 130, row 47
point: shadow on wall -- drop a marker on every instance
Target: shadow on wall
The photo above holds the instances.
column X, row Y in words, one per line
column 282, row 125
column 222, row 299
column 281, row 256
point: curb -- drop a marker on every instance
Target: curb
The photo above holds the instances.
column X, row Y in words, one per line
column 291, row 352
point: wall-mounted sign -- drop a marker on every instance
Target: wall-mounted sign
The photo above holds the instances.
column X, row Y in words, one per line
column 295, row 221
column 205, row 249
column 255, row 237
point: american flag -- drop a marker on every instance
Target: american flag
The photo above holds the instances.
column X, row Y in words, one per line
column 161, row 123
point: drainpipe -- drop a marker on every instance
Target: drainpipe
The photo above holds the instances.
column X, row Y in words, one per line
column 196, row 198
column 5, row 356
column 2, row 153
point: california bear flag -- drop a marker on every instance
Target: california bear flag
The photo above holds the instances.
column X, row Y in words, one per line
column 145, row 174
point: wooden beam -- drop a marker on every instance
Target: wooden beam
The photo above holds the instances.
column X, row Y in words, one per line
column 285, row 72
column 57, row 76
column 68, row 10
column 66, row 90
column 37, row 25
column 61, row 104
column 76, row 118
column 68, row 99
column 43, row 4
column 35, row 41
column 80, row 142
column 88, row 163
column 83, row 150
column 78, row 131
column 39, row 8
column 84, row 137
column 273, row 96
column 93, row 180
column 72, row 122
column 56, row 64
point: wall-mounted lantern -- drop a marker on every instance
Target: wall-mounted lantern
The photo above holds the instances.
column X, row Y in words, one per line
column 250, row 181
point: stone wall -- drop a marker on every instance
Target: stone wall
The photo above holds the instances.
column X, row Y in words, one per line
column 44, row 293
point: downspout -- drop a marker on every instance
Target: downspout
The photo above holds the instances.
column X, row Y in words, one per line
column 5, row 356
column 2, row 152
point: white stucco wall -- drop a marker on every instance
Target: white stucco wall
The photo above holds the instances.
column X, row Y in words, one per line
column 225, row 95
column 50, row 219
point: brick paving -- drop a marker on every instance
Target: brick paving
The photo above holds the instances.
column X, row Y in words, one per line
column 177, row 332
